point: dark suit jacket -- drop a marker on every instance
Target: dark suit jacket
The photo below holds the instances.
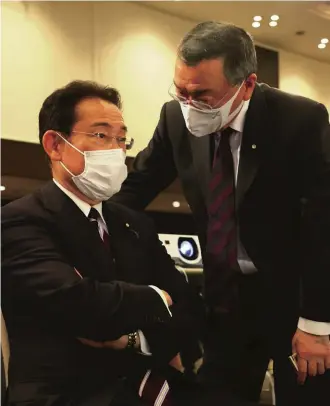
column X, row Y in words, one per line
column 282, row 195
column 46, row 304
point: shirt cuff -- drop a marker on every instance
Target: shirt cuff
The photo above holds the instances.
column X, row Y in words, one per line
column 161, row 294
column 145, row 349
column 317, row 328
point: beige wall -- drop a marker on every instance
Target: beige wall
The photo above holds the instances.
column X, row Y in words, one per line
column 305, row 77
column 135, row 51
column 43, row 46
column 126, row 45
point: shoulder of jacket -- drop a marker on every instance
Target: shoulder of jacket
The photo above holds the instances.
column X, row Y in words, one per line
column 171, row 109
column 276, row 97
column 26, row 209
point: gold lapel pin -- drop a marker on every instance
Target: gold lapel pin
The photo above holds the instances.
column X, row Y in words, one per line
column 254, row 146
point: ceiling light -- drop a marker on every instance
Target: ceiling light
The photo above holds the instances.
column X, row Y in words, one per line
column 176, row 204
column 273, row 23
column 257, row 18
column 324, row 40
column 256, row 24
column 321, row 46
column 274, row 17
column 2, row 188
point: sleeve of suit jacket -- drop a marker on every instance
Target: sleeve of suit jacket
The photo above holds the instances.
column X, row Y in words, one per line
column 313, row 152
column 37, row 273
column 153, row 170
column 185, row 327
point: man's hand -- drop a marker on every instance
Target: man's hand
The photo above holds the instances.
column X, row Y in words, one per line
column 168, row 298
column 119, row 344
column 313, row 354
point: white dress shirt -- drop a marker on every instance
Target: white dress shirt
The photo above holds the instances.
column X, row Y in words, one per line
column 85, row 208
column 245, row 263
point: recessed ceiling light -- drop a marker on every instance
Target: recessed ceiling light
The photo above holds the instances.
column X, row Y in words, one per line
column 176, row 204
column 257, row 18
column 2, row 188
column 273, row 23
column 275, row 17
column 321, row 46
column 256, row 24
column 324, row 40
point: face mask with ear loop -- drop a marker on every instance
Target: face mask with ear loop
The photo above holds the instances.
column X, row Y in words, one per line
column 104, row 173
column 205, row 122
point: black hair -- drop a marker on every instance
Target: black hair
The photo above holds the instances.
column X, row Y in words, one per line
column 212, row 40
column 58, row 110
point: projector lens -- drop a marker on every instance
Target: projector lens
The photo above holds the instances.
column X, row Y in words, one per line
column 188, row 248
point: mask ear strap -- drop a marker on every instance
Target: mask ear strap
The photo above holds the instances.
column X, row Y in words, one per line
column 238, row 90
column 66, row 169
column 64, row 139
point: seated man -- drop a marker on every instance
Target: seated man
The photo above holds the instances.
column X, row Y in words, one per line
column 96, row 312
column 87, row 286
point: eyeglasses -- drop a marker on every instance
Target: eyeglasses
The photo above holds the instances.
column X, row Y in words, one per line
column 195, row 103
column 186, row 100
column 103, row 139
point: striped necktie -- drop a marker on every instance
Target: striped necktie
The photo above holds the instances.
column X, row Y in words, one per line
column 222, row 228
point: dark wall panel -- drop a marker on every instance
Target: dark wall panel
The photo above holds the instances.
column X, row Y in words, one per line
column 268, row 66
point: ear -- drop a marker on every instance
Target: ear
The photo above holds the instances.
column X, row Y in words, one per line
column 250, row 84
column 53, row 145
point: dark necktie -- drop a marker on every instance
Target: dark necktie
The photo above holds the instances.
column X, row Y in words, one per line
column 222, row 230
column 94, row 217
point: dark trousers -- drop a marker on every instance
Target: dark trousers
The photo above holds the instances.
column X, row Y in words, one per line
column 184, row 395
column 238, row 347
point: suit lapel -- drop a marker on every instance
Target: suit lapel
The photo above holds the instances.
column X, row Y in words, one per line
column 254, row 135
column 201, row 153
column 80, row 242
column 125, row 244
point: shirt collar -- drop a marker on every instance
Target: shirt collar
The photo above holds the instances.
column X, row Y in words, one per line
column 238, row 123
column 83, row 206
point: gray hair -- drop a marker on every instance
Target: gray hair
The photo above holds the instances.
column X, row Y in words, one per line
column 213, row 40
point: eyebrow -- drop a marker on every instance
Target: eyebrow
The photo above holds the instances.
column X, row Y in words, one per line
column 194, row 93
column 104, row 124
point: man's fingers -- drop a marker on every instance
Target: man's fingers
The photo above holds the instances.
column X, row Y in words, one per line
column 327, row 362
column 312, row 367
column 294, row 347
column 320, row 367
column 302, row 370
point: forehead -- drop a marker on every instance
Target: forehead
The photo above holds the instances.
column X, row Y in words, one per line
column 207, row 74
column 97, row 110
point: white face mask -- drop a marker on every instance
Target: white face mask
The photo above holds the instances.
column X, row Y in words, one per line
column 205, row 122
column 104, row 173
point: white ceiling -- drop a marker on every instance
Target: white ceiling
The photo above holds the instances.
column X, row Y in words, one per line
column 313, row 17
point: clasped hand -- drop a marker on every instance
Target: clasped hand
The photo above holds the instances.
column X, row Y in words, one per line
column 313, row 353
column 120, row 343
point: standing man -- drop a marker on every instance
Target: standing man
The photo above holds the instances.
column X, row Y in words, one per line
column 254, row 163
